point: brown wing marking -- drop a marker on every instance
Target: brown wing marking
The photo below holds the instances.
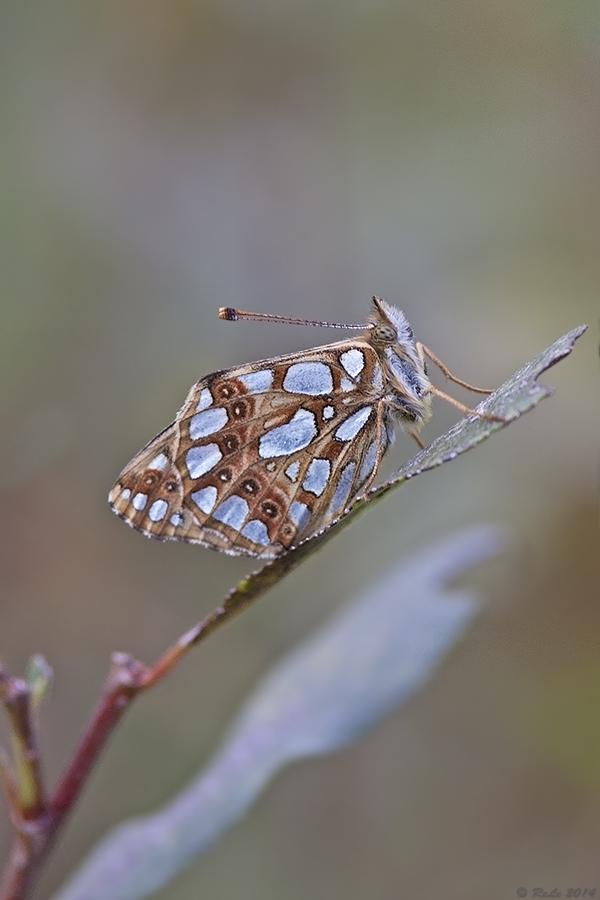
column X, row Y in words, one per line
column 240, row 471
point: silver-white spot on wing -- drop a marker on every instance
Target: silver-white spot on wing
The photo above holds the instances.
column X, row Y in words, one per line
column 317, row 476
column 257, row 382
column 176, row 519
column 308, row 378
column 353, row 361
column 292, row 470
column 346, row 384
column 157, row 510
column 232, row 512
column 286, row 439
column 256, row 531
column 126, row 494
column 328, row 413
column 159, row 462
column 342, row 490
column 204, row 400
column 200, row 460
column 207, row 422
column 377, row 377
column 139, row 501
column 350, row 428
column 368, row 463
column 299, row 513
column 205, row 498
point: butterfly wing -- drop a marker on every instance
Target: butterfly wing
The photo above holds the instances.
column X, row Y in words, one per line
column 261, row 456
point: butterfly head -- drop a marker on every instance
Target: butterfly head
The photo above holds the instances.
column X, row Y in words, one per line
column 392, row 337
column 390, row 325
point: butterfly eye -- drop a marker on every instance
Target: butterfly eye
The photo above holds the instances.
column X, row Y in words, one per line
column 384, row 334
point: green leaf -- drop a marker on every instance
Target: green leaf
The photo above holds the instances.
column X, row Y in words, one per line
column 367, row 660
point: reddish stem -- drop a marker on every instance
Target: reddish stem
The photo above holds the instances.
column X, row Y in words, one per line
column 121, row 686
column 38, row 827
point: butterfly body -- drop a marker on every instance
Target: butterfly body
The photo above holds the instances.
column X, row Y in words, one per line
column 261, row 456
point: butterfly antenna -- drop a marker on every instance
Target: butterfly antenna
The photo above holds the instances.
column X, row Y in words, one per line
column 238, row 315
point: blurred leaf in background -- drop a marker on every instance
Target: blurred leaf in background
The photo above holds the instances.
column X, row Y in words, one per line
column 368, row 659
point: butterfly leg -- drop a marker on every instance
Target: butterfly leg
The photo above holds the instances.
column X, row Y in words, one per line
column 464, row 409
column 422, row 350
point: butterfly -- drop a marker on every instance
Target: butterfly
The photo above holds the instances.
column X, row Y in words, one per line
column 264, row 455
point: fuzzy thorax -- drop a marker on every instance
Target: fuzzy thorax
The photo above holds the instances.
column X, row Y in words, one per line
column 405, row 372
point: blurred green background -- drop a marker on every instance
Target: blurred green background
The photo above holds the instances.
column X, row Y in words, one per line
column 162, row 158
